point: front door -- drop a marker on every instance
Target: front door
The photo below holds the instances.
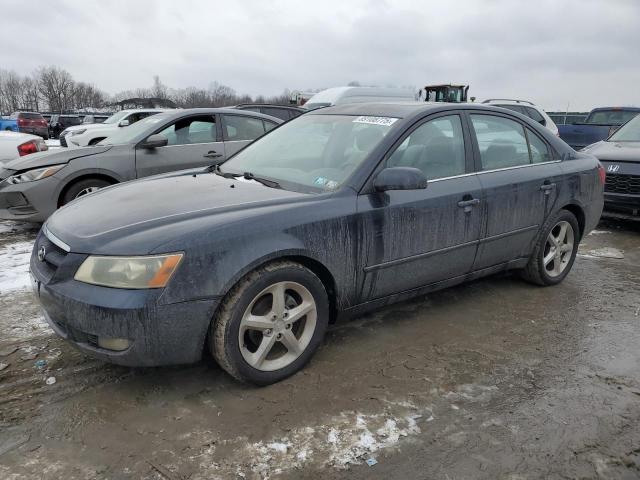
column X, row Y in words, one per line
column 192, row 142
column 520, row 178
column 413, row 238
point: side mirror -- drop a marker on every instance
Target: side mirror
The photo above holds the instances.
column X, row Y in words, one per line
column 124, row 123
column 400, row 178
column 155, row 141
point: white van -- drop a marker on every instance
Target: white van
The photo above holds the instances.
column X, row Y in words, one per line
column 343, row 95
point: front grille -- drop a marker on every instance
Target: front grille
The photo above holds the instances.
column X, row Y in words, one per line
column 627, row 184
column 63, row 141
column 53, row 258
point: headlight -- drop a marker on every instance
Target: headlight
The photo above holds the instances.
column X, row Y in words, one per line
column 78, row 132
column 129, row 272
column 35, row 174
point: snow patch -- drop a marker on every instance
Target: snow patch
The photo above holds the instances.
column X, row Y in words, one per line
column 14, row 267
column 604, row 252
column 599, row 232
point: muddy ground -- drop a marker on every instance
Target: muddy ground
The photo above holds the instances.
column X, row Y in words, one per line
column 496, row 379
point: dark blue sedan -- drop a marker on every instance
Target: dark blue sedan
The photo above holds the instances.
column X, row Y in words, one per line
column 339, row 211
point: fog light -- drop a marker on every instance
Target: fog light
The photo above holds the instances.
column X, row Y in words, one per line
column 117, row 344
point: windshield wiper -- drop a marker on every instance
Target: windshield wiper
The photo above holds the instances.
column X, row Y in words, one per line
column 215, row 168
column 263, row 181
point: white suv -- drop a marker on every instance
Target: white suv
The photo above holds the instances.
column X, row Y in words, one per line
column 526, row 108
column 90, row 134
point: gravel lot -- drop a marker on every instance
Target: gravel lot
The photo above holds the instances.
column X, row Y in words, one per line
column 496, row 379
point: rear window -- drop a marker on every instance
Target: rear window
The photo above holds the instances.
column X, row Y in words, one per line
column 281, row 113
column 611, row 117
column 31, row 116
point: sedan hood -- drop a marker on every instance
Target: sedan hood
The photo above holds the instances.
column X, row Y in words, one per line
column 616, row 151
column 52, row 157
column 85, row 126
column 135, row 217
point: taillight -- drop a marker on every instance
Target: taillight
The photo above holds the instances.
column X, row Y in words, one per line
column 602, row 174
column 32, row 146
column 22, row 121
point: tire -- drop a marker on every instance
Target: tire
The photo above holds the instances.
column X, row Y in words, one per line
column 82, row 187
column 559, row 264
column 45, row 137
column 237, row 346
column 93, row 141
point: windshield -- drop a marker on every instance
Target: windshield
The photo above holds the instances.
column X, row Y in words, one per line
column 629, row 132
column 132, row 132
column 318, row 152
column 611, row 117
column 116, row 117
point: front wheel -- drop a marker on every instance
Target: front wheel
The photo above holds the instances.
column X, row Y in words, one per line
column 555, row 250
column 82, row 188
column 270, row 323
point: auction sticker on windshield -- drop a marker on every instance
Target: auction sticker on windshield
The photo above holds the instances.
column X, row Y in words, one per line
column 385, row 121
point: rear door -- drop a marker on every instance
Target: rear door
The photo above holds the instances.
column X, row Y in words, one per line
column 240, row 130
column 520, row 177
column 194, row 141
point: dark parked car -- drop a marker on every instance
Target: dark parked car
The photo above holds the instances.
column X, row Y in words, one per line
column 32, row 188
column 599, row 124
column 336, row 212
column 31, row 122
column 620, row 156
column 59, row 122
column 283, row 112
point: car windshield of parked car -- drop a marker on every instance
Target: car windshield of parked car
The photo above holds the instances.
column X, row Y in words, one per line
column 132, row 132
column 629, row 132
column 116, row 117
column 315, row 152
column 611, row 117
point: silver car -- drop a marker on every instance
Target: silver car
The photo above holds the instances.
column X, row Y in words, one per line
column 33, row 187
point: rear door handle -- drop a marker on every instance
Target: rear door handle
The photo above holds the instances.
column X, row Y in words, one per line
column 468, row 204
column 212, row 154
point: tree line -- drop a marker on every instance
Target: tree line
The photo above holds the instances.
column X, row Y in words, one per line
column 53, row 89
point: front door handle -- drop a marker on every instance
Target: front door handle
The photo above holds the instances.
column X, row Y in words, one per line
column 547, row 187
column 212, row 154
column 468, row 204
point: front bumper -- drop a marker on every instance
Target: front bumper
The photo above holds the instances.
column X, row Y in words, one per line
column 627, row 204
column 159, row 333
column 30, row 201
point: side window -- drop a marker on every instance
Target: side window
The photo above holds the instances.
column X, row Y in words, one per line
column 539, row 150
column 513, row 108
column 281, row 113
column 501, row 141
column 535, row 115
column 186, row 131
column 436, row 148
column 238, row 128
column 269, row 125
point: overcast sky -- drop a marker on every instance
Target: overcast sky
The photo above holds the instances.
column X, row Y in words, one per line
column 584, row 53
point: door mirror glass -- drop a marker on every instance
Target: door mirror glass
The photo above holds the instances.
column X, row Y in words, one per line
column 124, row 123
column 155, row 141
column 400, row 178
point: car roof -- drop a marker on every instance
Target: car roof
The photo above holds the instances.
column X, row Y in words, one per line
column 398, row 109
column 177, row 113
column 276, row 105
column 508, row 101
column 144, row 110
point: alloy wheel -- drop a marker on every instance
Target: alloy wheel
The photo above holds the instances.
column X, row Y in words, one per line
column 87, row 191
column 558, row 249
column 277, row 326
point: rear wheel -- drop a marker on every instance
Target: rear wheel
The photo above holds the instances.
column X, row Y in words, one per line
column 270, row 323
column 82, row 188
column 555, row 250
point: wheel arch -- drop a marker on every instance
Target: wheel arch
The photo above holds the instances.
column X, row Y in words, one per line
column 579, row 213
column 83, row 176
column 303, row 258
